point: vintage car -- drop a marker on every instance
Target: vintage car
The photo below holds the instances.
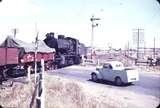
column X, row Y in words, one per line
column 115, row 71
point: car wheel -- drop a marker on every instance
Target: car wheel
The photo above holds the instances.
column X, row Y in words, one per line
column 118, row 81
column 94, row 77
column 130, row 83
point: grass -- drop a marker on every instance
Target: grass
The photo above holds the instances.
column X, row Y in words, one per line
column 17, row 96
column 64, row 93
column 59, row 93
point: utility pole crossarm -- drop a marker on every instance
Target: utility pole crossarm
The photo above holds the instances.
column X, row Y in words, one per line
column 92, row 19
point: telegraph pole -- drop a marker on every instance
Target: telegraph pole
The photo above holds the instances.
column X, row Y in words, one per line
column 139, row 39
column 36, row 48
column 92, row 31
column 154, row 49
column 35, row 57
column 14, row 32
column 138, row 44
column 128, row 48
column 39, row 78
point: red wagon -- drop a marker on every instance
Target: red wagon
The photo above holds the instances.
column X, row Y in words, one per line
column 16, row 53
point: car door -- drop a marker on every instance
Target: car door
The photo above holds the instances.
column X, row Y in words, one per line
column 107, row 71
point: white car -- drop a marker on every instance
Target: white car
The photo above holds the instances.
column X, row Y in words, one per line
column 115, row 71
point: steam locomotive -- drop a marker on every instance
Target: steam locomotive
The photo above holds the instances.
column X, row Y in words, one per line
column 69, row 50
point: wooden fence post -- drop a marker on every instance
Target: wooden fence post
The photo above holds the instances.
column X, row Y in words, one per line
column 43, row 88
column 29, row 73
column 40, row 100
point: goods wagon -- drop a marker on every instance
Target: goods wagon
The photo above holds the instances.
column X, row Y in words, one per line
column 16, row 54
column 8, row 56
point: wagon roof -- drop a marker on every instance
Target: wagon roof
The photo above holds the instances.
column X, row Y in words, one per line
column 12, row 42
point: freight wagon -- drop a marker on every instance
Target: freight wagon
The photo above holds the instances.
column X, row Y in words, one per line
column 16, row 54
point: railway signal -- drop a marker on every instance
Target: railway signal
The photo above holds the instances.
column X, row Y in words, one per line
column 92, row 32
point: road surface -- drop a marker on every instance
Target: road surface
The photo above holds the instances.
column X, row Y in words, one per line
column 145, row 93
column 149, row 82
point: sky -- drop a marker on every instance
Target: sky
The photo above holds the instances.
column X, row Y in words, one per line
column 118, row 20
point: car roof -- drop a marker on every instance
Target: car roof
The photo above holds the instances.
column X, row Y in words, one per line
column 116, row 65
